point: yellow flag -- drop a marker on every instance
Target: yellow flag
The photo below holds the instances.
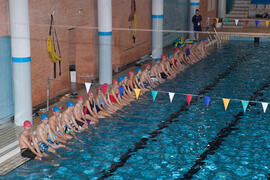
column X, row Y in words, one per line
column 137, row 93
column 266, row 23
column 217, row 19
column 226, row 103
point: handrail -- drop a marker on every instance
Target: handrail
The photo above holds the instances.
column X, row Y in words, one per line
column 218, row 39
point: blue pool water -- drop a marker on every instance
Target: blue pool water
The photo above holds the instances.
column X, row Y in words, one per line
column 164, row 140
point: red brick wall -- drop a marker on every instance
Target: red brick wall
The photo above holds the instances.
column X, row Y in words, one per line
column 4, row 18
column 76, row 22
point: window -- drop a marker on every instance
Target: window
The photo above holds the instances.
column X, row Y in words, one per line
column 211, row 5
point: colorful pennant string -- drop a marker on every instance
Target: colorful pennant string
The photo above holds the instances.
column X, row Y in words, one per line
column 87, row 86
column 266, row 23
column 137, row 93
column 244, row 105
column 121, row 90
column 154, row 95
column 207, row 101
column 264, row 105
column 189, row 97
column 226, row 103
column 171, row 95
column 236, row 21
column 257, row 23
column 104, row 88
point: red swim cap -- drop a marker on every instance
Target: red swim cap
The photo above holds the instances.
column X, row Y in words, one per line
column 176, row 50
column 130, row 73
column 115, row 82
column 27, row 124
column 90, row 92
column 163, row 57
column 80, row 98
column 147, row 65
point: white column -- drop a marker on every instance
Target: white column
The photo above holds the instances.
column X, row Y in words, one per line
column 21, row 60
column 221, row 8
column 157, row 26
column 105, row 41
column 193, row 5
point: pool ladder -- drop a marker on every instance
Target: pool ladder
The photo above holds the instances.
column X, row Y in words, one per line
column 218, row 39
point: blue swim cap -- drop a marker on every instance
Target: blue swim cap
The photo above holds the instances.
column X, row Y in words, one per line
column 138, row 70
column 170, row 55
column 70, row 104
column 44, row 116
column 56, row 109
column 124, row 77
column 157, row 60
column 120, row 79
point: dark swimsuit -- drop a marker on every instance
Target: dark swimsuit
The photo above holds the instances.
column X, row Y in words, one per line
column 27, row 153
column 163, row 75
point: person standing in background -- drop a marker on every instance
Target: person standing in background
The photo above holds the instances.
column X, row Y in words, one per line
column 196, row 20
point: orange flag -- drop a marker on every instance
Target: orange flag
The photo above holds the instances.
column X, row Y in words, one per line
column 217, row 20
column 266, row 23
column 137, row 93
column 226, row 103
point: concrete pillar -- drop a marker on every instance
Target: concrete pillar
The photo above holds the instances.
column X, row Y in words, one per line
column 157, row 25
column 21, row 60
column 221, row 8
column 193, row 5
column 105, row 41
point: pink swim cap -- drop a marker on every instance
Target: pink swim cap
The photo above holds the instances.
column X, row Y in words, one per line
column 147, row 65
column 27, row 124
column 130, row 73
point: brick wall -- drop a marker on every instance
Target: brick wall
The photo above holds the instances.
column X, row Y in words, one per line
column 205, row 12
column 4, row 18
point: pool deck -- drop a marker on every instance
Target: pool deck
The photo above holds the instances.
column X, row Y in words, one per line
column 10, row 157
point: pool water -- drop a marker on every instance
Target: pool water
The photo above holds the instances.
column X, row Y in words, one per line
column 164, row 140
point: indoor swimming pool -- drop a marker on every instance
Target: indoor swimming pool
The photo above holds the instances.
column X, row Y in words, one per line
column 163, row 140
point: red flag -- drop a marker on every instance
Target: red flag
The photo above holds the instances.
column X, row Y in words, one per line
column 104, row 88
column 189, row 97
column 246, row 22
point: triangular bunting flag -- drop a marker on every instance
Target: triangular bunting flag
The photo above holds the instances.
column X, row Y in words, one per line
column 264, row 105
column 256, row 22
column 121, row 90
column 226, row 21
column 236, row 21
column 217, row 20
column 137, row 93
column 87, row 86
column 154, row 95
column 189, row 97
column 246, row 22
column 245, row 105
column 104, row 88
column 266, row 23
column 226, row 103
column 207, row 101
column 171, row 95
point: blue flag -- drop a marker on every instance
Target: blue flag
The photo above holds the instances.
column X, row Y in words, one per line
column 121, row 90
column 256, row 22
column 154, row 94
column 207, row 101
